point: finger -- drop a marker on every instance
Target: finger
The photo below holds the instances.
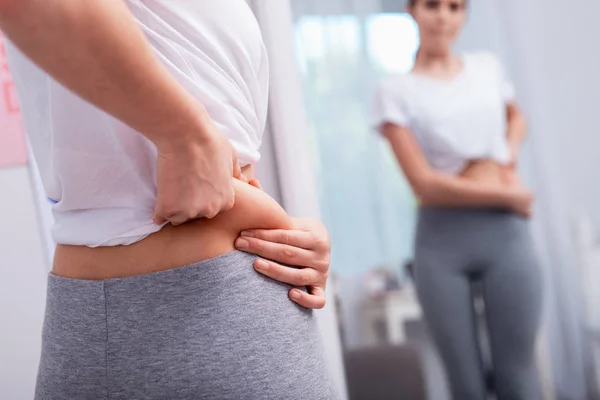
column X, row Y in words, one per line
column 243, row 178
column 282, row 253
column 256, row 183
column 158, row 220
column 304, row 224
column 315, row 300
column 301, row 239
column 289, row 275
column 237, row 170
column 177, row 219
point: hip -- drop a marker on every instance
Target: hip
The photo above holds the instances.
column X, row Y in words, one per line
column 213, row 329
column 483, row 229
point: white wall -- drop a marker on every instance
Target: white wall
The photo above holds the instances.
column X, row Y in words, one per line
column 23, row 267
column 483, row 29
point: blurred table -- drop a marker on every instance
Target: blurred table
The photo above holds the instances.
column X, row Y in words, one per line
column 386, row 314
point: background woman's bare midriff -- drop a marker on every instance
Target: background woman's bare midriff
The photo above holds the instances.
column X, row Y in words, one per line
column 489, row 171
column 173, row 247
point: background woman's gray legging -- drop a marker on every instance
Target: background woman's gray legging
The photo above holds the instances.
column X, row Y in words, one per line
column 454, row 248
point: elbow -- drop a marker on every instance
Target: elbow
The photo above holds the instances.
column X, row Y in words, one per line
column 424, row 188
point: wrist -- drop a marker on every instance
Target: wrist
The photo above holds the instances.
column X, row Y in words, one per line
column 505, row 195
column 196, row 130
column 513, row 196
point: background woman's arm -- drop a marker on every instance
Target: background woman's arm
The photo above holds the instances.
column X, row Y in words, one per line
column 437, row 188
column 516, row 129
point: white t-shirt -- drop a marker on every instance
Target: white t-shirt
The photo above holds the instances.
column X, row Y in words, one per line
column 453, row 121
column 100, row 173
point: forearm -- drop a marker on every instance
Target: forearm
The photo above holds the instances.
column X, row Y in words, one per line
column 440, row 189
column 96, row 49
column 516, row 130
column 436, row 188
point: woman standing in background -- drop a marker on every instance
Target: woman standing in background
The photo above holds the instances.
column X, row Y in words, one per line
column 456, row 131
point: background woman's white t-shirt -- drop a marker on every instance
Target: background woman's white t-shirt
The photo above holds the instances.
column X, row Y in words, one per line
column 100, row 173
column 453, row 121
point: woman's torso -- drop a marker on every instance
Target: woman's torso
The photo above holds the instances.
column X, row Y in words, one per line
column 99, row 172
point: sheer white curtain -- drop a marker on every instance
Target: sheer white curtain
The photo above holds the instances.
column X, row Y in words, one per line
column 364, row 200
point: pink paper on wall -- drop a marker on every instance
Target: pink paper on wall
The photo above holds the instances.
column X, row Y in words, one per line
column 13, row 150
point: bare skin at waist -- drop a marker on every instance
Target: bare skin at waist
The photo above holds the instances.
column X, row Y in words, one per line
column 492, row 172
column 173, row 247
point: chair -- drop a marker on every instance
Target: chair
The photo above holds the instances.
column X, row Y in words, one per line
column 385, row 373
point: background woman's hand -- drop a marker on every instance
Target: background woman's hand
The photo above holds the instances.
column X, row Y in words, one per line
column 307, row 246
column 510, row 176
column 522, row 198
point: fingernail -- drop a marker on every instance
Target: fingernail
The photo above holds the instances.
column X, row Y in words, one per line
column 262, row 264
column 296, row 295
column 247, row 234
column 242, row 244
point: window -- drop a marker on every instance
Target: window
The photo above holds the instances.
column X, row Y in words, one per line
column 366, row 203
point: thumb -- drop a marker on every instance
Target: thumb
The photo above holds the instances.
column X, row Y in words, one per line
column 157, row 218
column 256, row 183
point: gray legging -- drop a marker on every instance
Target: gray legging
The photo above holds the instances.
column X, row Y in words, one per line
column 456, row 247
column 215, row 329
